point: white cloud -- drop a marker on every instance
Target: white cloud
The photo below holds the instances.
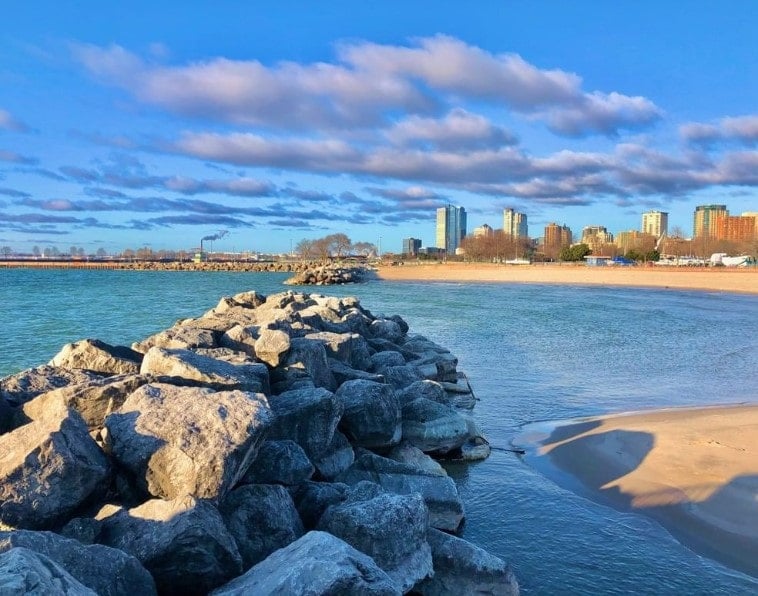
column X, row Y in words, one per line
column 459, row 129
column 739, row 129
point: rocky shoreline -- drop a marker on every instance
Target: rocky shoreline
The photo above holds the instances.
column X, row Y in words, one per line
column 280, row 444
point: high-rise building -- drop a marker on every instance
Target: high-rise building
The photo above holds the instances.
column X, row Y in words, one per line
column 655, row 223
column 556, row 237
column 451, row 228
column 738, row 228
column 596, row 237
column 515, row 224
column 411, row 246
column 703, row 224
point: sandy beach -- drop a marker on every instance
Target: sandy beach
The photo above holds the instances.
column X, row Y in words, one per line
column 694, row 470
column 717, row 279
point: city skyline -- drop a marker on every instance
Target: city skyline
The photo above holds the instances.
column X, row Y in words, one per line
column 158, row 125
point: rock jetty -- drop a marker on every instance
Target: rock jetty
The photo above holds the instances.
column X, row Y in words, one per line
column 328, row 275
column 274, row 445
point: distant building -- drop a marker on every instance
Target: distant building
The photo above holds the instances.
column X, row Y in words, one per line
column 655, row 223
column 556, row 237
column 737, row 228
column 483, row 230
column 515, row 224
column 703, row 224
column 598, row 239
column 641, row 241
column 411, row 246
column 431, row 251
column 451, row 228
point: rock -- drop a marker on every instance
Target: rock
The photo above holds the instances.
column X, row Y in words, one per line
column 372, row 414
column 437, row 367
column 349, row 348
column 217, row 374
column 23, row 572
column 279, row 462
column 6, row 416
column 183, row 543
column 386, row 329
column 439, row 492
column 462, row 568
column 93, row 400
column 433, row 427
column 241, row 339
column 272, row 346
column 48, row 468
column 249, row 299
column 413, row 456
column 343, row 373
column 313, row 498
column 28, row 384
column 183, row 337
column 427, row 389
column 339, row 457
column 227, row 355
column 475, row 449
column 262, row 518
column 390, row 528
column 116, row 572
column 188, row 440
column 317, row 563
column 381, row 360
column 308, row 357
column 98, row 357
column 459, row 393
column 307, row 416
column 400, row 377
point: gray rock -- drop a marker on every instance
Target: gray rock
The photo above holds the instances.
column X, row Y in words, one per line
column 116, row 572
column 400, row 377
column 183, row 337
column 183, row 543
column 93, row 400
column 381, row 360
column 24, row 572
column 98, row 357
column 188, row 440
column 262, row 518
column 310, row 357
column 372, row 414
column 401, row 323
column 241, row 339
column 462, row 568
column 437, row 367
column 226, row 354
column 217, row 374
column 427, row 389
column 272, row 346
column 28, row 384
column 48, row 468
column 408, row 454
column 317, row 563
column 313, row 498
column 433, row 427
column 386, row 329
column 339, row 457
column 439, row 492
column 475, row 449
column 307, row 416
column 349, row 348
column 279, row 462
column 249, row 299
column 390, row 528
column 459, row 393
column 342, row 372
column 7, row 413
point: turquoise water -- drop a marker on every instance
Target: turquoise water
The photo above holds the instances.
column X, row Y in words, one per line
column 532, row 353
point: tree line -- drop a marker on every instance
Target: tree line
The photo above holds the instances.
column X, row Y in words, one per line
column 333, row 246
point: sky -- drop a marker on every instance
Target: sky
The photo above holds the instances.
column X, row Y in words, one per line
column 156, row 124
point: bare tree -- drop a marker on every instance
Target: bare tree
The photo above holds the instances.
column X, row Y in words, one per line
column 6, row 251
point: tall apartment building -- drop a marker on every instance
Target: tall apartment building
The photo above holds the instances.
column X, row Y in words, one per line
column 703, row 224
column 451, row 228
column 411, row 246
column 738, row 228
column 655, row 223
column 481, row 231
column 556, row 237
column 515, row 224
column 596, row 235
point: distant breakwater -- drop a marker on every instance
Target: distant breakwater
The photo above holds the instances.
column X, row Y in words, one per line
column 240, row 266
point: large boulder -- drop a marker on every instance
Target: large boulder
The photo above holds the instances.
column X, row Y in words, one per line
column 408, row 454
column 463, row 568
column 312, row 499
column 48, row 468
column 115, row 573
column 262, row 518
column 279, row 462
column 24, row 572
column 7, row 415
column 349, row 348
column 400, row 377
column 308, row 357
column 427, row 389
column 437, row 367
column 28, row 384
column 209, row 372
column 307, row 416
column 439, row 492
column 99, row 357
column 317, row 563
column 342, row 372
column 179, row 337
column 188, row 440
column 390, row 528
column 339, row 457
column 241, row 339
column 183, row 543
column 433, row 427
column 372, row 414
column 381, row 360
column 272, row 346
column 94, row 400
column 386, row 329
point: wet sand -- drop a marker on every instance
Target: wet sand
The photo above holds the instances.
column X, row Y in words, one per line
column 720, row 279
column 694, row 470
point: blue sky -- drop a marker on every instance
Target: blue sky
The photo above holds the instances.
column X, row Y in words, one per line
column 156, row 124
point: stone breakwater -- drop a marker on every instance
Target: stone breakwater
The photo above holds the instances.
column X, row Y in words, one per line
column 282, row 444
column 328, row 275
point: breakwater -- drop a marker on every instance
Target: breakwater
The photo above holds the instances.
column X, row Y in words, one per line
column 236, row 450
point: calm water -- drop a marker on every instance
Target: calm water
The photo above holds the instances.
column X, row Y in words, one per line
column 532, row 353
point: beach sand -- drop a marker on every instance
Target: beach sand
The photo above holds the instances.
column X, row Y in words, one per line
column 712, row 279
column 694, row 470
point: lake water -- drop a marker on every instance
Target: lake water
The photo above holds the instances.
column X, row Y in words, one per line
column 532, row 353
